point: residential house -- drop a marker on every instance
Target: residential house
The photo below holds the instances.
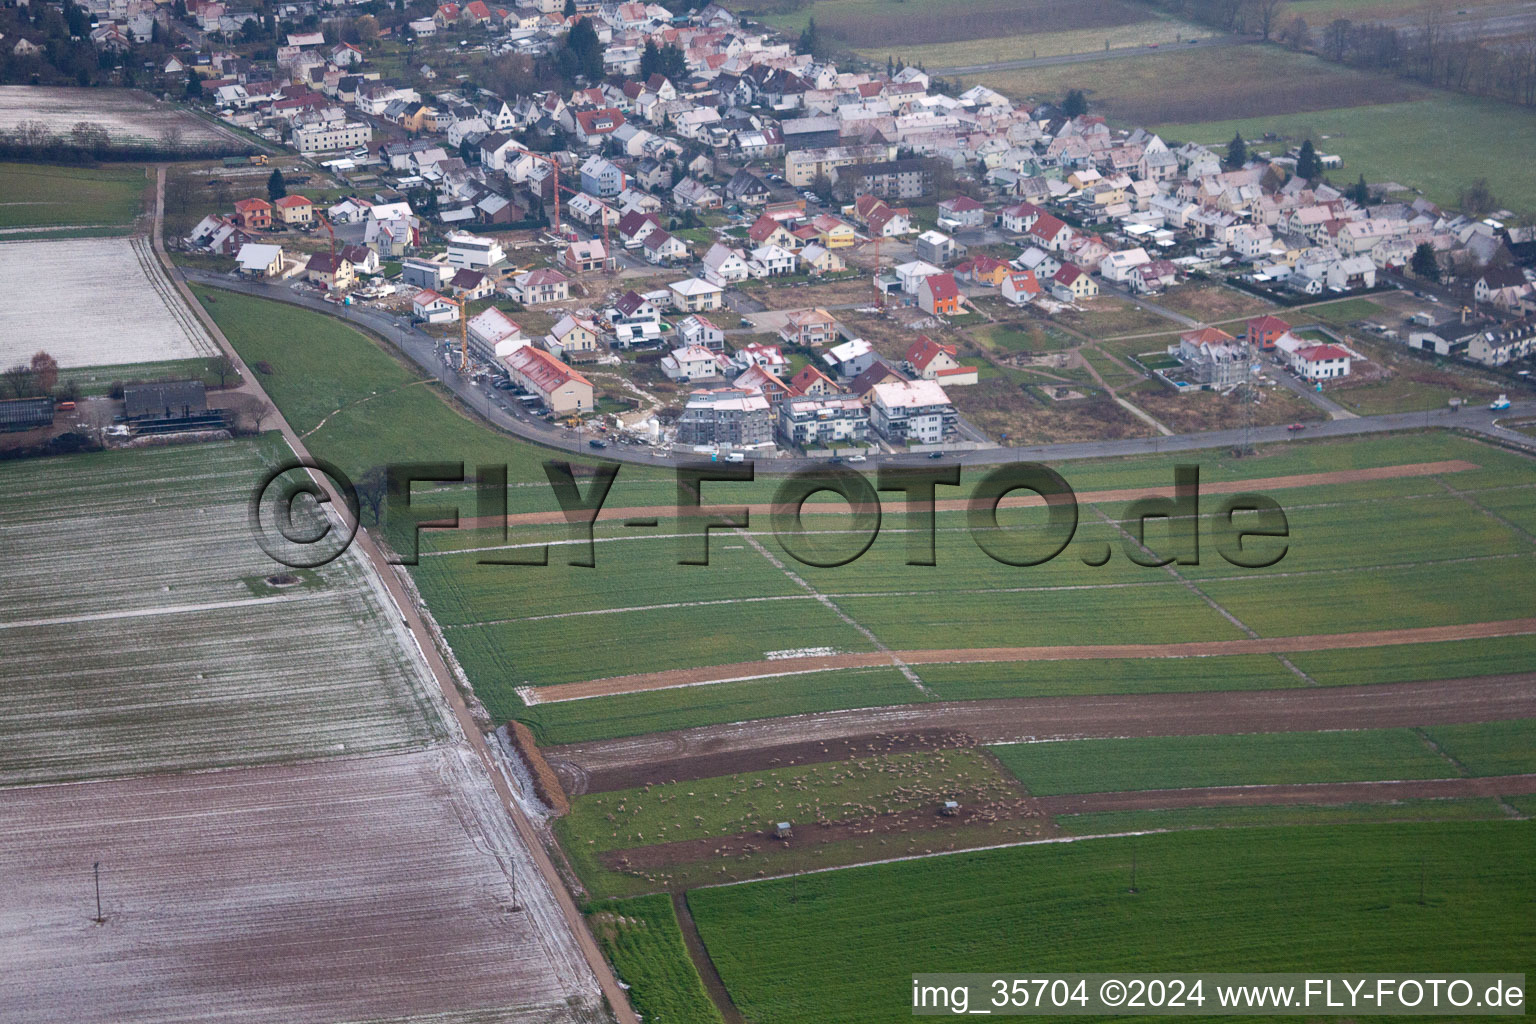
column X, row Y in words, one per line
column 1264, row 331
column 585, row 256
column 1117, row 266
column 757, row 354
column 601, row 177
column 983, row 270
column 470, row 285
column 1020, row 287
column 747, row 189
column 432, row 308
column 767, row 230
column 961, row 212
column 701, row 332
column 808, row 328
column 1213, row 358
column 257, row 260
column 536, row 287
column 817, row 259
column 932, row 360
column 850, row 358
column 1503, row 287
column 812, row 421
column 691, row 295
column 473, row 251
column 332, row 273
column 1155, row 276
column 573, row 339
column 1320, row 362
column 635, row 320
column 934, row 247
column 911, row 412
column 562, row 390
column 831, row 232
column 295, row 211
column 811, row 381
column 492, row 335
column 691, row 362
column 724, row 265
column 253, row 214
column 771, row 261
column 1072, row 284
column 938, row 294
column 692, row 194
column 663, row 248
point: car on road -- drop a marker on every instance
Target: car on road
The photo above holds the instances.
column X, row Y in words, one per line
column 935, row 455
column 1297, row 426
column 595, row 443
column 745, row 322
column 836, row 460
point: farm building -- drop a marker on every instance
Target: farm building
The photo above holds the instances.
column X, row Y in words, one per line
column 26, row 413
column 168, row 406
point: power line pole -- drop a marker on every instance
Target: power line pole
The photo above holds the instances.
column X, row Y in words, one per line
column 96, row 870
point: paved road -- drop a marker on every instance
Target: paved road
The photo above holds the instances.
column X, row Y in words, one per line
column 1084, row 58
column 499, row 411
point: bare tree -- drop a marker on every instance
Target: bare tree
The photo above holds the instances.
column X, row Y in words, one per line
column 171, row 138
column 1266, row 13
column 1336, row 38
column 371, row 489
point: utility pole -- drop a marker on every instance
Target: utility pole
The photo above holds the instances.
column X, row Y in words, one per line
column 96, row 870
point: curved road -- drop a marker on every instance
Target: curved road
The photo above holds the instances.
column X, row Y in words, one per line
column 506, row 415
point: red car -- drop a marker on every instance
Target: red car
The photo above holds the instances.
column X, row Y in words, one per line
column 1297, row 426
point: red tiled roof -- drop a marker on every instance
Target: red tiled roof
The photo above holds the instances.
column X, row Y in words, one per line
column 542, row 370
column 289, row 202
column 1318, row 353
column 941, row 286
column 1207, row 336
column 1267, row 324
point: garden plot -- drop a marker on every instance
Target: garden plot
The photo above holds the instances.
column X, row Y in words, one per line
column 141, row 634
column 127, row 116
column 94, row 302
column 344, row 890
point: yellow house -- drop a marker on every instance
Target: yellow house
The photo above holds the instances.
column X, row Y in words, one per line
column 295, row 211
column 333, row 273
column 1084, row 177
column 833, row 233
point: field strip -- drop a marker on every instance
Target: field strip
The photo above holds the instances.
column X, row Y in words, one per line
column 1291, row 793
column 1274, row 483
column 641, row 682
column 962, row 591
column 713, row 750
column 170, row 609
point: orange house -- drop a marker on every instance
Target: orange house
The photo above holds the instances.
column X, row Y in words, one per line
column 939, row 294
column 253, row 214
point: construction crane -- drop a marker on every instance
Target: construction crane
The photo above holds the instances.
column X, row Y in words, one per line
column 555, row 165
column 608, row 261
column 331, row 232
column 463, row 333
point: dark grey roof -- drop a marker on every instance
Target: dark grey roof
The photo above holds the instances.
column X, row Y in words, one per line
column 169, row 399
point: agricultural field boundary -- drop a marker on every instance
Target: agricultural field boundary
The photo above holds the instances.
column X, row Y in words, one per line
column 746, row 670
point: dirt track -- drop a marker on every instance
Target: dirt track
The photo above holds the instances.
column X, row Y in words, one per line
column 1274, row 483
column 1314, row 793
column 1193, row 649
column 747, row 746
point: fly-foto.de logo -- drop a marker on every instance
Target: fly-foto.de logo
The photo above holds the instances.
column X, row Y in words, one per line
column 1019, row 514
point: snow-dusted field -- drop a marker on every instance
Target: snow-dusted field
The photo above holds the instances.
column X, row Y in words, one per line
column 290, row 826
column 346, row 890
column 127, row 116
column 93, row 302
column 141, row 637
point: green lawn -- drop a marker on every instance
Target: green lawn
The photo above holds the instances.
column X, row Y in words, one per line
column 39, row 195
column 1180, row 762
column 1229, row 900
column 1490, row 748
column 1490, row 140
column 643, row 941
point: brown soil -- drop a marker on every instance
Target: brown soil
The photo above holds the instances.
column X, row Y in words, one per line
column 1314, row 793
column 663, row 855
column 748, row 746
column 1275, row 483
column 642, row 682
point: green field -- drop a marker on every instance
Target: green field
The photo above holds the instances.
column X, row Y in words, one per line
column 98, row 380
column 38, row 195
column 1119, row 822
column 1181, row 762
column 643, row 941
column 1229, row 900
column 1491, row 140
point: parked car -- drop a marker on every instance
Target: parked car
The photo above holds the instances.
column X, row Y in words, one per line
column 935, row 455
column 595, row 443
column 1297, row 426
column 858, row 458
